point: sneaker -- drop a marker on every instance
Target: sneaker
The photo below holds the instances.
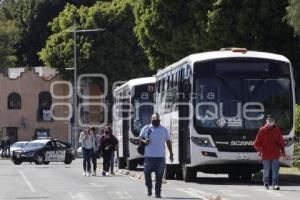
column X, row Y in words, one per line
column 149, row 193
column 84, row 174
column 103, row 173
column 157, row 196
column 266, row 186
column 89, row 174
column 94, row 174
column 276, row 187
column 112, row 173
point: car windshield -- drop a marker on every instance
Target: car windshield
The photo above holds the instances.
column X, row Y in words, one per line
column 238, row 94
column 35, row 144
column 18, row 144
column 143, row 106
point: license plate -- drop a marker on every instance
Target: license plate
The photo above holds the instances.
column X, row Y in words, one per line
column 243, row 156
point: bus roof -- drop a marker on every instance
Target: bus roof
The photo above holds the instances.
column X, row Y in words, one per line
column 134, row 82
column 223, row 54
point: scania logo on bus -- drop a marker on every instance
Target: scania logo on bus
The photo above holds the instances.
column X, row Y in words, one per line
column 241, row 143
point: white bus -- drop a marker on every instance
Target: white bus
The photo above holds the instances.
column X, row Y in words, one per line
column 214, row 103
column 133, row 107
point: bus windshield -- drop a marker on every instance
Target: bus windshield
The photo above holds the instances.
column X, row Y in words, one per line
column 143, row 105
column 239, row 93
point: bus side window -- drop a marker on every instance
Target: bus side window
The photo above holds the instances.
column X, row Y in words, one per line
column 163, row 85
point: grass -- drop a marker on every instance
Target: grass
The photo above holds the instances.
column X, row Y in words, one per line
column 290, row 171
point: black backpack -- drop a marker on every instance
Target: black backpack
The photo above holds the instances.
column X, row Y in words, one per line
column 141, row 147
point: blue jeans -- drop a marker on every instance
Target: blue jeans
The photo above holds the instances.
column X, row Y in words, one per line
column 156, row 164
column 272, row 165
column 87, row 155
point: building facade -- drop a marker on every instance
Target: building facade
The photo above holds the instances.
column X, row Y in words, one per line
column 25, row 102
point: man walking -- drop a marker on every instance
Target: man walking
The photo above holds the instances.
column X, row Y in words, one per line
column 270, row 145
column 155, row 136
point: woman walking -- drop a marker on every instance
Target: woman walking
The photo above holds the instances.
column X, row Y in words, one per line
column 87, row 141
column 108, row 144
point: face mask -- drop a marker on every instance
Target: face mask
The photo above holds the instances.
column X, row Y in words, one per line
column 155, row 123
column 270, row 124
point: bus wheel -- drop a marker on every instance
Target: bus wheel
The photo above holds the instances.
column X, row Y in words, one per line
column 179, row 173
column 247, row 177
column 121, row 163
column 170, row 171
column 132, row 164
column 233, row 176
column 189, row 174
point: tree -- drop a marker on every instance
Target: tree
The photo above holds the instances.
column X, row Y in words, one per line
column 169, row 30
column 32, row 18
column 113, row 52
column 8, row 37
column 293, row 15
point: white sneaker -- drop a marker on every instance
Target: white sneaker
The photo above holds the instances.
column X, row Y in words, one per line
column 84, row 174
column 89, row 174
column 276, row 187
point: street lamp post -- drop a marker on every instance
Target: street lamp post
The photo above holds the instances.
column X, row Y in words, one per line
column 75, row 31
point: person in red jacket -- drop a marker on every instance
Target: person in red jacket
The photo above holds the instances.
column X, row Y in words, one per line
column 269, row 144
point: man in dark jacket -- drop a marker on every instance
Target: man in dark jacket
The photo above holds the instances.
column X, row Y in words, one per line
column 270, row 145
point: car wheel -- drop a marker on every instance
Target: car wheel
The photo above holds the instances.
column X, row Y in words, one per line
column 68, row 159
column 17, row 162
column 39, row 159
column 46, row 162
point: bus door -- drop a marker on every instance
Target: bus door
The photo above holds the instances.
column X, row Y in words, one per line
column 125, row 127
column 183, row 108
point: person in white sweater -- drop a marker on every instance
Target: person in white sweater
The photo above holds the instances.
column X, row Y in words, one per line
column 87, row 141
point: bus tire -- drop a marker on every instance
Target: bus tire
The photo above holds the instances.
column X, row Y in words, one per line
column 170, row 172
column 233, row 176
column 132, row 164
column 247, row 177
column 179, row 173
column 121, row 163
column 189, row 174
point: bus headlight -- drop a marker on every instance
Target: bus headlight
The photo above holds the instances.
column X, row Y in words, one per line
column 200, row 141
column 288, row 142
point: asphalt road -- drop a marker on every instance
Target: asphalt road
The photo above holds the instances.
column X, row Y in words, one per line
column 58, row 181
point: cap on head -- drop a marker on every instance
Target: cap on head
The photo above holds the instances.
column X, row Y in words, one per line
column 155, row 116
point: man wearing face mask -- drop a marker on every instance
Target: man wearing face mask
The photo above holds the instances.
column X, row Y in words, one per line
column 269, row 144
column 155, row 136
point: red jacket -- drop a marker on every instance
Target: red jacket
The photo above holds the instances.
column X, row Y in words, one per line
column 269, row 143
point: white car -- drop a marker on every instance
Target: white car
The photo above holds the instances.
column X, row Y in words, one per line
column 79, row 152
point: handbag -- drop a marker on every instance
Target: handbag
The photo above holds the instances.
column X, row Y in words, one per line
column 141, row 147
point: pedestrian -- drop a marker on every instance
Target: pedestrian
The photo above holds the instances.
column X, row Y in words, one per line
column 2, row 144
column 7, row 146
column 108, row 145
column 87, row 140
column 155, row 136
column 269, row 144
column 112, row 157
column 96, row 152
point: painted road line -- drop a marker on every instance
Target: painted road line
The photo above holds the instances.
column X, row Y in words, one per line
column 119, row 195
column 80, row 196
column 27, row 181
column 200, row 194
column 233, row 193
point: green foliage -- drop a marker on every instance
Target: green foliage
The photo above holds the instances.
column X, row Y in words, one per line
column 32, row 18
column 293, row 15
column 297, row 128
column 8, row 38
column 169, row 30
column 113, row 52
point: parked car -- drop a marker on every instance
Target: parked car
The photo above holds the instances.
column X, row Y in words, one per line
column 44, row 151
column 79, row 152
